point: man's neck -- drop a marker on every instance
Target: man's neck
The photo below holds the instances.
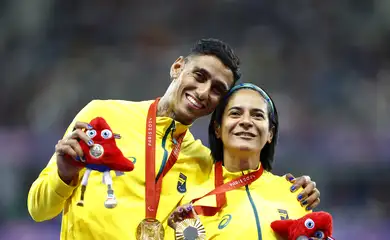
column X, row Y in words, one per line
column 237, row 161
column 165, row 108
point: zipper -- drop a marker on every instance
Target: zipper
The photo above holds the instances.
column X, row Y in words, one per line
column 170, row 129
column 173, row 130
column 255, row 213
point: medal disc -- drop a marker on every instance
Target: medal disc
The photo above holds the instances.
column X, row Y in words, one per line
column 190, row 229
column 150, row 229
column 96, row 150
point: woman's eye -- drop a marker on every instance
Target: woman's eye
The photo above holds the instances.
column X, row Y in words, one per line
column 235, row 113
column 259, row 115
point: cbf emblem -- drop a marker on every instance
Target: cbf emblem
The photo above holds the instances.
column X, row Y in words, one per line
column 181, row 183
column 283, row 214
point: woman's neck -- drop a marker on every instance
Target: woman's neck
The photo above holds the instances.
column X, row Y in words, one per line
column 237, row 161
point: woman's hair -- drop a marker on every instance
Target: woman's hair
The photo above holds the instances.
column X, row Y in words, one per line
column 268, row 151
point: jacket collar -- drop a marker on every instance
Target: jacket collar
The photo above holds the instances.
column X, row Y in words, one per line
column 164, row 124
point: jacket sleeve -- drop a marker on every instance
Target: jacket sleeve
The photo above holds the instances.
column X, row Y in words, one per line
column 48, row 193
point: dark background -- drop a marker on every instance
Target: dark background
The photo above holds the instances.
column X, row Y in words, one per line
column 325, row 63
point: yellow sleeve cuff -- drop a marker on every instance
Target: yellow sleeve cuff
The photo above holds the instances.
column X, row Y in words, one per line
column 62, row 189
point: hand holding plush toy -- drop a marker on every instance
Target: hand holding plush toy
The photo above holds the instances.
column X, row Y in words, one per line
column 103, row 156
column 315, row 225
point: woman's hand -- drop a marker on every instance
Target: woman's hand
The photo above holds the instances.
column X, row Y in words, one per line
column 181, row 213
column 310, row 196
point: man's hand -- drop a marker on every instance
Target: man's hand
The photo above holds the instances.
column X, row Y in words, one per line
column 310, row 196
column 69, row 146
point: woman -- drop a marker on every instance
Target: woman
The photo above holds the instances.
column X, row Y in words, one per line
column 243, row 134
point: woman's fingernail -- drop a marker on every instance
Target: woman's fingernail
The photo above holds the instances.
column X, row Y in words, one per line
column 90, row 142
column 300, row 197
column 180, row 210
column 308, row 208
column 78, row 158
column 89, row 126
column 189, row 208
column 292, row 188
column 304, row 203
column 290, row 179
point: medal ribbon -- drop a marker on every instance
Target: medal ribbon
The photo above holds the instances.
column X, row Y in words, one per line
column 153, row 186
column 221, row 188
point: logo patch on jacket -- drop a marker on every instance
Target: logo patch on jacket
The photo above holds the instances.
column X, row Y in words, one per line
column 283, row 214
column 181, row 183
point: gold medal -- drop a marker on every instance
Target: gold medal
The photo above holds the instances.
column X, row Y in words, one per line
column 96, row 151
column 190, row 229
column 150, row 229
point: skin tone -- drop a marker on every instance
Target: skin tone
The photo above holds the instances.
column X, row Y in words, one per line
column 245, row 130
column 198, row 83
column 197, row 87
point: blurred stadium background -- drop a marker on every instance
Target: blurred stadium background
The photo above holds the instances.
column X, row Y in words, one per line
column 326, row 64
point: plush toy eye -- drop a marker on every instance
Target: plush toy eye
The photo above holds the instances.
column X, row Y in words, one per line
column 106, row 134
column 309, row 223
column 319, row 234
column 91, row 133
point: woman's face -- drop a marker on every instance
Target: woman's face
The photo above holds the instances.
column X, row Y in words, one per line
column 245, row 123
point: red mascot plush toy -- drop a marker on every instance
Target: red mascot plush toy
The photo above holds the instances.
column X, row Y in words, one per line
column 103, row 156
column 315, row 225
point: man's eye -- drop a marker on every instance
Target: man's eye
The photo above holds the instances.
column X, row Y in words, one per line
column 219, row 90
column 199, row 76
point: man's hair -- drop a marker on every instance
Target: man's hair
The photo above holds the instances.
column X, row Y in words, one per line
column 267, row 154
column 220, row 50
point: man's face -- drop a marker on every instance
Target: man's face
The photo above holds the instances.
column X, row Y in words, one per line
column 201, row 82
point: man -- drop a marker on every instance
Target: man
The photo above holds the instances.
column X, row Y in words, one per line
column 199, row 81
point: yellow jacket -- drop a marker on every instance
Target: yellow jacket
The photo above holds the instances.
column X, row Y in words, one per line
column 49, row 195
column 249, row 210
